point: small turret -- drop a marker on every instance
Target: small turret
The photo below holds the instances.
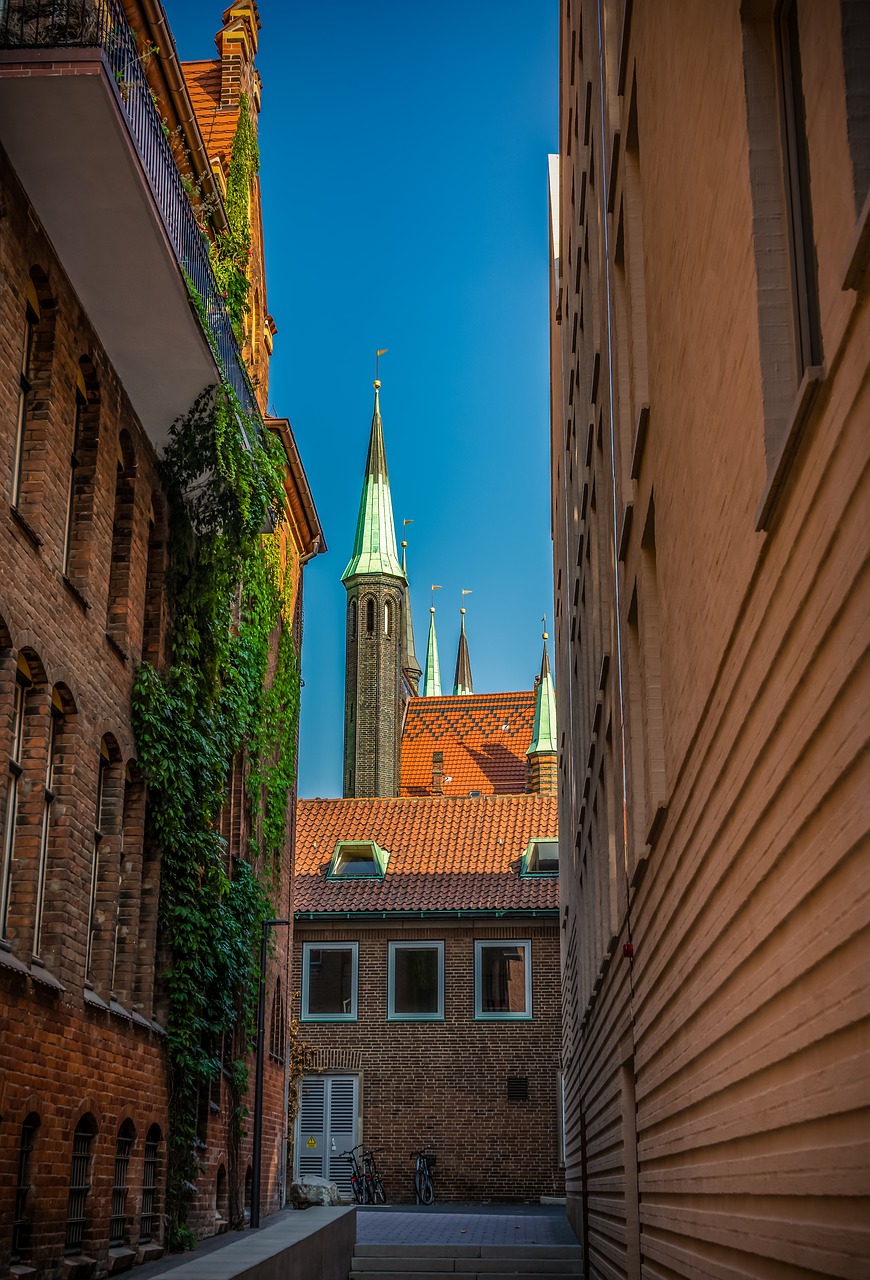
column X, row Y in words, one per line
column 462, row 682
column 432, row 677
column 542, row 757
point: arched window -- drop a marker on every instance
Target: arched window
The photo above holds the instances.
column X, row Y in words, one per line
column 56, row 714
column 221, row 1194
column 80, row 1184
column 128, row 907
column 370, row 616
column 277, row 1025
column 122, row 537
column 32, row 467
column 23, row 682
column 105, row 866
column 21, row 1224
column 82, row 470
column 351, row 619
column 150, row 1218
column 118, row 1229
column 388, row 617
column 155, row 580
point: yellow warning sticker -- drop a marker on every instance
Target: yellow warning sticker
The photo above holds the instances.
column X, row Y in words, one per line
column 312, row 1142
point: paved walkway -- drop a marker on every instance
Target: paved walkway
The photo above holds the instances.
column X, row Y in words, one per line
column 463, row 1224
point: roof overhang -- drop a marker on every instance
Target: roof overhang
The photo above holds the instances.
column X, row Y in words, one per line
column 68, row 139
column 299, row 496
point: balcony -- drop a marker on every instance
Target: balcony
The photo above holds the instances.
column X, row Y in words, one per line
column 81, row 129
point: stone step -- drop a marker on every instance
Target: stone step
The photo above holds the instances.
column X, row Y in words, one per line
column 538, row 1265
column 539, row 1270
column 562, row 1252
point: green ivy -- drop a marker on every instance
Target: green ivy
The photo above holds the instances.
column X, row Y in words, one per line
column 230, row 692
column 231, row 250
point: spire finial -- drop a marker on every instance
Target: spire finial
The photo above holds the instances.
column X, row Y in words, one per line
column 462, row 682
column 378, row 355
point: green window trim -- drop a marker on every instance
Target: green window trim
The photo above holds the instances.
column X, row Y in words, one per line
column 393, row 949
column 350, row 1014
column 539, row 857
column 358, row 860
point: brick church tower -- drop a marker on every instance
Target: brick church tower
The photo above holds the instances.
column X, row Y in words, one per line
column 377, row 601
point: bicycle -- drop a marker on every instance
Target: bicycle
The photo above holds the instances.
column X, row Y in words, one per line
column 373, row 1184
column 424, row 1192
column 358, row 1184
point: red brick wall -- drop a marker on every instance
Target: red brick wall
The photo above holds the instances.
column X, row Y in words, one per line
column 62, row 1055
column 445, row 1083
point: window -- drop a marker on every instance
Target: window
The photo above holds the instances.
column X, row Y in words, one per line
column 370, row 616
column 351, row 619
column 21, row 1224
column 102, row 770
column 47, row 804
column 79, row 1184
column 277, row 1025
column 22, row 684
column 118, row 1221
column 148, row 1222
column 329, row 981
column 122, row 536
column 25, row 381
column 503, row 979
column 74, row 462
column 416, row 981
column 541, row 858
column 808, row 339
column 388, row 618
column 357, row 859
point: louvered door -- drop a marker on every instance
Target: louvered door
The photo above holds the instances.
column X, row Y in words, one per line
column 327, row 1125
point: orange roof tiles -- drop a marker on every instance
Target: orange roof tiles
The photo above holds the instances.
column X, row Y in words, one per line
column 445, row 854
column 203, row 80
column 483, row 737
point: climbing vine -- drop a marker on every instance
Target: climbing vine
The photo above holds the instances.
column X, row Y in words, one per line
column 226, row 705
column 231, row 250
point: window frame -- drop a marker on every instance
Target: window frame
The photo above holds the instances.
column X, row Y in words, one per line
column 527, row 870
column 427, row 944
column 480, row 944
column 351, row 1016
column 380, row 858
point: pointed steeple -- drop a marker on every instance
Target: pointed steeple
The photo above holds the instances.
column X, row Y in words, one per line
column 432, row 678
column 374, row 546
column 410, row 665
column 462, row 682
column 542, row 757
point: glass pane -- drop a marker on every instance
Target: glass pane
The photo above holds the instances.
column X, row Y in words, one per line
column 330, row 980
column 503, row 980
column 415, row 989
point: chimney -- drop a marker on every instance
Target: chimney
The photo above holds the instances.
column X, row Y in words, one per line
column 438, row 773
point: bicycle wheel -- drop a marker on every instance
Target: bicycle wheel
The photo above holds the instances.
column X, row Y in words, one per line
column 379, row 1195
column 427, row 1194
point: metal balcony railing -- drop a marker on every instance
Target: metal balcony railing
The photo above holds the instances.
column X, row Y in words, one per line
column 101, row 24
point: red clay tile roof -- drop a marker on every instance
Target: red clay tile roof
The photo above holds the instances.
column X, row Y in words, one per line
column 445, row 854
column 483, row 736
column 203, row 80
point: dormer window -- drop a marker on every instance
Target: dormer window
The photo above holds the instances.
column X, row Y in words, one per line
column 541, row 858
column 358, row 860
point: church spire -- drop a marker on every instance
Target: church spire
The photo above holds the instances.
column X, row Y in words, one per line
column 462, row 682
column 432, row 678
column 542, row 755
column 374, row 546
column 410, row 665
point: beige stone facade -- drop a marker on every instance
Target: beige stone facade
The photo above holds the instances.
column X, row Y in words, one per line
column 710, row 400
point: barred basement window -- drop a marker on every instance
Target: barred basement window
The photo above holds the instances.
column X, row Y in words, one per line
column 79, row 1184
column 118, row 1220
column 517, row 1088
column 21, row 1224
column 150, row 1192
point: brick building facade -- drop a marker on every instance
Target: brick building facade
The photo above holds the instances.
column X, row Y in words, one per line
column 710, row 341
column 88, row 389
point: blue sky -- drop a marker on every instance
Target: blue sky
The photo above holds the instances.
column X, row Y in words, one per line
column 404, row 178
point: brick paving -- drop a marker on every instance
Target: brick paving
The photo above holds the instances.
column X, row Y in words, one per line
column 471, row 1224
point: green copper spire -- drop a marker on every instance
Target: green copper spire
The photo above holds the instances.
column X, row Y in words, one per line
column 432, row 678
column 544, row 741
column 462, row 682
column 374, row 547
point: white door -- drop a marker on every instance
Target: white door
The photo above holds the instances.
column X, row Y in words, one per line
column 327, row 1125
